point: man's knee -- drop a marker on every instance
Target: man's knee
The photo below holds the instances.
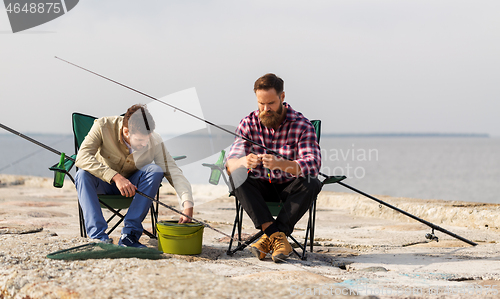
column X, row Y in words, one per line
column 152, row 169
column 79, row 175
column 152, row 173
column 313, row 184
column 82, row 176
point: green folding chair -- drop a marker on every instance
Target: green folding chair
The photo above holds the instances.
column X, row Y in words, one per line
column 114, row 203
column 218, row 171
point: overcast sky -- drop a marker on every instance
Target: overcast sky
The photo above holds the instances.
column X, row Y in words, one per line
column 360, row 66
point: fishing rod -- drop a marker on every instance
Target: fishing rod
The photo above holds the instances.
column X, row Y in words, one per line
column 268, row 150
column 429, row 236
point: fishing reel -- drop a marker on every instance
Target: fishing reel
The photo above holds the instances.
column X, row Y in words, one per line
column 432, row 236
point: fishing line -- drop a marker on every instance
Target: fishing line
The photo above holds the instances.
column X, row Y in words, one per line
column 31, row 140
column 179, row 109
column 28, row 156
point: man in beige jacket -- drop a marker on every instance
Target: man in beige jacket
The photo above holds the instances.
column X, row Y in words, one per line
column 117, row 157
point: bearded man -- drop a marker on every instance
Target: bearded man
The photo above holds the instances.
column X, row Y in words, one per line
column 260, row 177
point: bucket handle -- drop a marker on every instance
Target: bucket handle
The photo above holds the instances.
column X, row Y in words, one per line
column 180, row 236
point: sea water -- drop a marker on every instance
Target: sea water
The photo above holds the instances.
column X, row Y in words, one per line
column 445, row 168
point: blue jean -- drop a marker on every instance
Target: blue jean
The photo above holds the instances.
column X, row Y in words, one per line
column 147, row 180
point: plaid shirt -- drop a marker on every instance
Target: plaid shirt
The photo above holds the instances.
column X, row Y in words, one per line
column 295, row 138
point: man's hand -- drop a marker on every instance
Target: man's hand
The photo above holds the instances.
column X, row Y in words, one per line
column 277, row 163
column 251, row 161
column 272, row 162
column 189, row 212
column 248, row 162
column 126, row 188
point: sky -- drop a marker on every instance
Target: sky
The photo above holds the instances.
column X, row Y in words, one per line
column 359, row 66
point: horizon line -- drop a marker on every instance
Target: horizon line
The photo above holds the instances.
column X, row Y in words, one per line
column 325, row 134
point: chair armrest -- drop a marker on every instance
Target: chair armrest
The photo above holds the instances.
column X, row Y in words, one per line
column 215, row 174
column 213, row 166
column 60, row 172
column 179, row 157
column 333, row 179
column 217, row 170
column 68, row 164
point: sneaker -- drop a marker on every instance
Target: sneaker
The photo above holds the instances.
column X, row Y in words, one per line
column 261, row 248
column 127, row 240
column 280, row 247
column 103, row 240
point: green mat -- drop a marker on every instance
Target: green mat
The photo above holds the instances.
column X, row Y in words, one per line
column 104, row 251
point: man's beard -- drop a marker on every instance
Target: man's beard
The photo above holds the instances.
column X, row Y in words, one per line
column 271, row 119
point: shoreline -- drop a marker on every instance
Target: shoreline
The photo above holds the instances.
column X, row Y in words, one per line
column 455, row 213
column 358, row 247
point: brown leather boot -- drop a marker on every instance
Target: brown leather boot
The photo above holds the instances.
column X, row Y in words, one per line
column 261, row 248
column 280, row 247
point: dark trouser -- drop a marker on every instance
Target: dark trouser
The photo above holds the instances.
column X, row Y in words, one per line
column 296, row 196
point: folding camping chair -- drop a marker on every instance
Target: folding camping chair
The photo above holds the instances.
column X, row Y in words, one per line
column 217, row 171
column 114, row 203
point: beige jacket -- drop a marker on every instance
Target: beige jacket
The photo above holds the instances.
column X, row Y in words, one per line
column 103, row 153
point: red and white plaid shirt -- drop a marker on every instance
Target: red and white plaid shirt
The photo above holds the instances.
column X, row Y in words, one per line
column 295, row 139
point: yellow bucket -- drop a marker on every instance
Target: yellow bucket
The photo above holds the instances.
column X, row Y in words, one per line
column 175, row 238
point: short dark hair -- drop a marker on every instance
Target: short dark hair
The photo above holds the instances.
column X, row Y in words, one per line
column 139, row 121
column 269, row 81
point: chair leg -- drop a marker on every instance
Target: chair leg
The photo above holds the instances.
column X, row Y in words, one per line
column 154, row 214
column 83, row 231
column 114, row 226
column 308, row 229
column 153, row 222
column 308, row 233
column 113, row 216
column 311, row 222
column 300, row 246
column 116, row 213
column 154, row 219
column 121, row 219
column 236, row 224
column 313, row 225
column 149, row 234
column 240, row 224
column 246, row 243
